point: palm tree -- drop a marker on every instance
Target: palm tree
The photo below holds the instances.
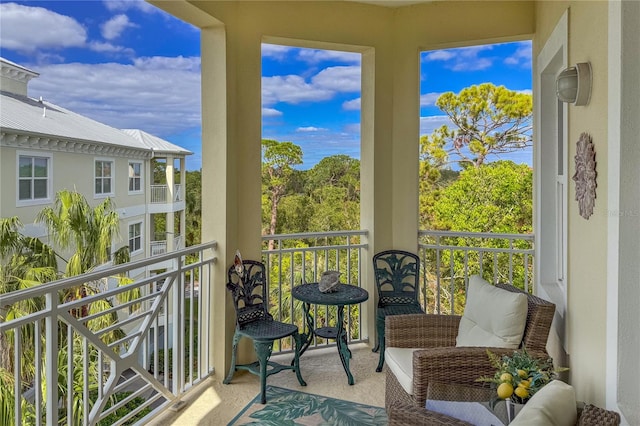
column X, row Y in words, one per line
column 24, row 263
column 86, row 234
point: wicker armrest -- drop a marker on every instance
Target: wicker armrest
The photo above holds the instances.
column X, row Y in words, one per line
column 590, row 415
column 409, row 415
column 461, row 365
column 421, row 330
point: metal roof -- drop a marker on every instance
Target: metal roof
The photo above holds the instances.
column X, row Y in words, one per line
column 24, row 115
column 27, row 116
column 155, row 143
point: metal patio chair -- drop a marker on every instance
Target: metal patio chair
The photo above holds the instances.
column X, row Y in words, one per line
column 397, row 274
column 247, row 282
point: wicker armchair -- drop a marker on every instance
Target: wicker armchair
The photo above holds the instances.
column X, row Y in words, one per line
column 407, row 415
column 441, row 361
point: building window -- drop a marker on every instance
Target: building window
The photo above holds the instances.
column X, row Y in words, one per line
column 33, row 178
column 135, row 237
column 135, row 177
column 104, row 177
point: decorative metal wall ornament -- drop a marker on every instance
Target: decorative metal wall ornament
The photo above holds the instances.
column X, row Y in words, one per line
column 585, row 176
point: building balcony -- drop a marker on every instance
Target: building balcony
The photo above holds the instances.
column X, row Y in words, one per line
column 151, row 344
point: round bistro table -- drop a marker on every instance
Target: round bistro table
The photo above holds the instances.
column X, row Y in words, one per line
column 343, row 295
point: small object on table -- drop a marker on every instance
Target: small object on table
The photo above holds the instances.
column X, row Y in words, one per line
column 329, row 281
column 342, row 295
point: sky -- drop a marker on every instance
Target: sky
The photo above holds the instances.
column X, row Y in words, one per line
column 128, row 64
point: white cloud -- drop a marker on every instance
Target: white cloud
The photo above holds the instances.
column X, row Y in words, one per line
column 431, row 123
column 440, row 55
column 352, row 105
column 339, row 79
column 30, row 29
column 158, row 95
column 271, row 112
column 311, row 129
column 98, row 46
column 115, row 26
column 275, row 51
column 294, row 89
column 291, row 89
column 521, row 57
column 463, row 59
column 310, row 56
column 429, row 99
column 124, row 5
column 178, row 63
column 314, row 56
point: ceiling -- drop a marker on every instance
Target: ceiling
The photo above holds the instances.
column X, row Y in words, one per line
column 392, row 3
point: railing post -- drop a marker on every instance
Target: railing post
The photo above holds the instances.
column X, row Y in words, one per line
column 178, row 329
column 51, row 331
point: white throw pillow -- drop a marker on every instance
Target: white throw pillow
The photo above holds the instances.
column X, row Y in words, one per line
column 493, row 317
column 553, row 405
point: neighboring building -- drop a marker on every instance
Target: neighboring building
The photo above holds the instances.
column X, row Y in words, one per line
column 45, row 148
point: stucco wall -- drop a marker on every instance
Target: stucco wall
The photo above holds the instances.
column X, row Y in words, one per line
column 587, row 239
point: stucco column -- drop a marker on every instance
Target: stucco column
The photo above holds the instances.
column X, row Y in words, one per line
column 231, row 148
column 169, row 216
column 183, row 200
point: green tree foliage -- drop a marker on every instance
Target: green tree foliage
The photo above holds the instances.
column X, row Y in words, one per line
column 488, row 120
column 278, row 159
column 496, row 197
column 193, row 207
column 493, row 198
column 84, row 235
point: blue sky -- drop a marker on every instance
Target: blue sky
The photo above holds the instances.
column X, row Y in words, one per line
column 130, row 65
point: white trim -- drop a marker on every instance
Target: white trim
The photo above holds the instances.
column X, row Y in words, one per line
column 141, row 177
column 112, row 177
column 13, row 138
column 556, row 44
column 613, row 202
column 141, row 237
column 32, row 201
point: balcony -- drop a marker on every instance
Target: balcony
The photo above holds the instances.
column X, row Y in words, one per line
column 120, row 334
column 159, row 247
column 160, row 194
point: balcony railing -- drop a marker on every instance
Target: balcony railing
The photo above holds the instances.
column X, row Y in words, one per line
column 159, row 247
column 449, row 258
column 160, row 193
column 302, row 258
column 118, row 354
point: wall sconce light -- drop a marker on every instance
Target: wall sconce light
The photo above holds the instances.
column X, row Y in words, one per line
column 573, row 84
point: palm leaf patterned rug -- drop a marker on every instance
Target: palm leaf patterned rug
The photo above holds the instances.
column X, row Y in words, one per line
column 288, row 407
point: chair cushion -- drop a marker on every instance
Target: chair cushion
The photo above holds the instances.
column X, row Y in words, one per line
column 400, row 362
column 493, row 317
column 553, row 405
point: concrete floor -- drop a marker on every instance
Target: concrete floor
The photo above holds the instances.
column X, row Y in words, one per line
column 213, row 403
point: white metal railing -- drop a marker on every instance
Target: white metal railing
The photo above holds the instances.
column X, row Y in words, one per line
column 177, row 192
column 448, row 258
column 159, row 193
column 157, row 248
column 301, row 258
column 111, row 356
column 177, row 242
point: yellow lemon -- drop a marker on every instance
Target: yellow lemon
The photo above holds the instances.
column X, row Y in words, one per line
column 505, row 390
column 524, row 383
column 523, row 374
column 506, row 377
column 522, row 392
